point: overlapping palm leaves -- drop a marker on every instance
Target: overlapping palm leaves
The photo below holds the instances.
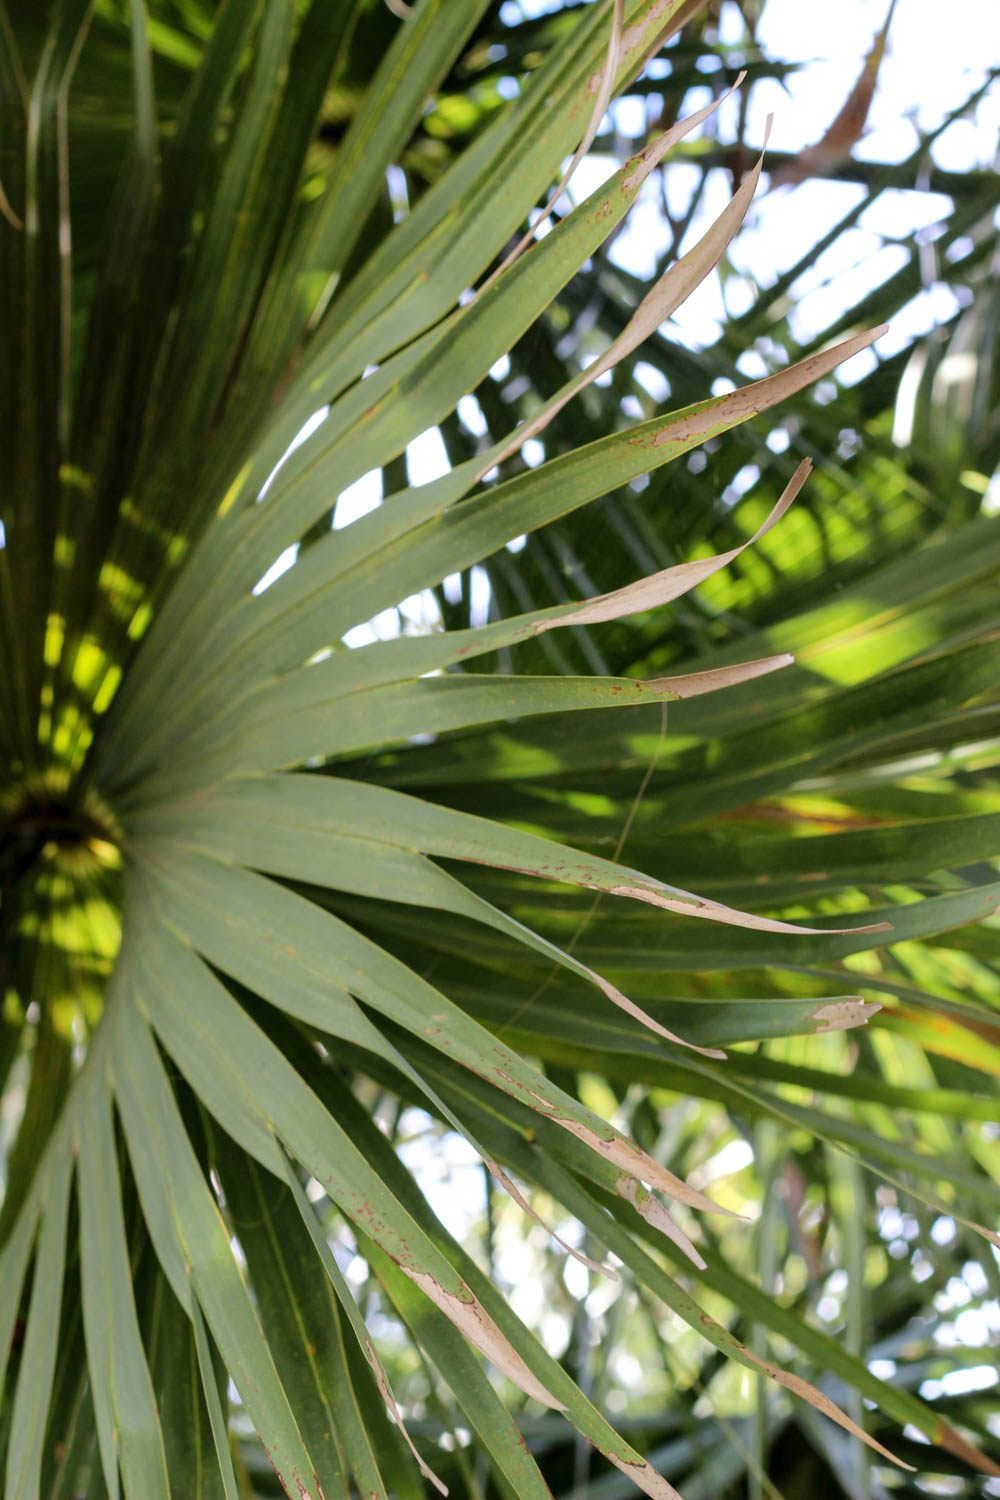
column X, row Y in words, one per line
column 178, row 748
column 883, row 485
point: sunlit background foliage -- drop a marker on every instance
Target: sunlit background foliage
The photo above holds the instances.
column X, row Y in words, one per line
column 857, row 786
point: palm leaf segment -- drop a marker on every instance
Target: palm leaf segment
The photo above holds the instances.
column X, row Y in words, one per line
column 170, row 739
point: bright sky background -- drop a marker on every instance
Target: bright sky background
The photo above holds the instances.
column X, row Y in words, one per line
column 926, row 72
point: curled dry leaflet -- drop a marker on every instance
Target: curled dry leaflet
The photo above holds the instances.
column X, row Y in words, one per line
column 219, row 735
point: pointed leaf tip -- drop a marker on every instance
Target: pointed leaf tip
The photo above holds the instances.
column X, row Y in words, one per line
column 617, row 997
column 653, row 1211
column 952, row 1442
column 670, row 583
column 471, row 1318
column 511, row 1187
column 844, row 1015
column 385, row 1391
column 822, row 1403
column 636, row 1164
column 989, row 1234
column 695, row 906
column 645, row 1476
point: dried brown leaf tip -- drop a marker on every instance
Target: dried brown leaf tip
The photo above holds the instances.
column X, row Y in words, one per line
column 623, row 1002
column 709, row 418
column 952, row 1442
column 647, row 315
column 849, row 126
column 385, row 1390
column 822, row 1403
column 671, row 583
column 653, row 1211
column 645, row 1476
column 844, row 1015
column 471, row 1318
column 711, row 911
column 697, row 683
column 635, row 1163
column 518, row 1197
column 989, row 1234
column 603, row 83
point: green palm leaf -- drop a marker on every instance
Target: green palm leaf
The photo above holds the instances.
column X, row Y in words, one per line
column 249, row 872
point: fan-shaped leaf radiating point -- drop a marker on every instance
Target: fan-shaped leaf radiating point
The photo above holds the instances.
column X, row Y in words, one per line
column 256, row 884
